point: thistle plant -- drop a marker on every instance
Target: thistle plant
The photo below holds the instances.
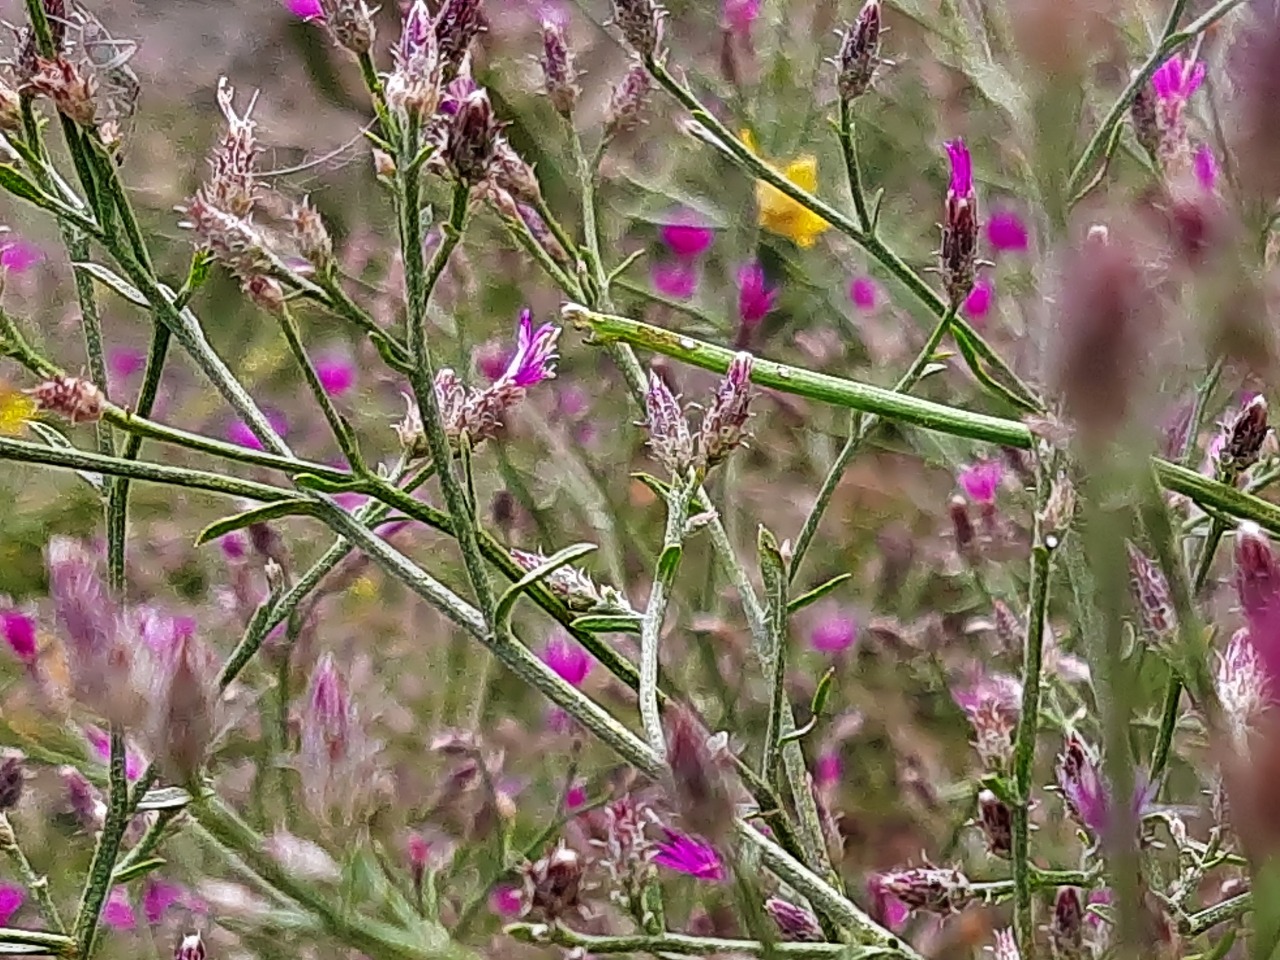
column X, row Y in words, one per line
column 544, row 679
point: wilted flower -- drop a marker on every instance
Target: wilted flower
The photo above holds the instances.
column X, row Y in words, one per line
column 553, row 884
column 685, row 854
column 859, row 52
column 996, row 820
column 472, row 145
column 959, row 226
column 232, row 186
column 794, row 923
column 935, row 889
column 1145, row 118
column 350, row 23
column 1242, row 439
column 1007, row 232
column 457, row 25
column 1066, row 931
column 780, row 214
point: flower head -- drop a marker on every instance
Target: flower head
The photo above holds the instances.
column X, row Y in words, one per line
column 640, row 22
column 677, row 279
column 959, row 225
column 992, row 703
column 724, row 423
column 794, row 923
column 977, row 304
column 19, row 256
column 535, row 356
column 981, row 481
column 506, row 901
column 19, row 632
column 1007, row 232
column 560, row 78
column 567, row 658
column 157, row 897
column 739, row 16
column 755, row 296
column 669, row 436
column 306, row 9
column 1086, row 792
column 117, row 912
column 961, row 184
column 1244, row 689
column 685, row 237
column 835, row 632
column 1151, row 590
column 782, row 215
column 1177, row 79
column 1258, row 586
column 11, row 898
column 1204, row 164
column 937, row 890
column 336, row 374
column 864, row 293
column 859, row 52
column 685, row 854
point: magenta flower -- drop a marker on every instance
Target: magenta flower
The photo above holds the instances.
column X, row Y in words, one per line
column 240, row 434
column 157, row 897
column 835, row 632
column 569, row 661
column 1000, row 689
column 739, row 16
column 685, row 854
column 19, row 256
column 1258, row 587
column 117, row 913
column 506, row 901
column 19, row 632
column 961, row 168
column 490, row 360
column 828, row 769
column 576, row 795
column 674, row 278
column 11, row 898
column 755, row 296
column 977, row 304
column 864, row 293
column 981, row 481
column 1243, row 686
column 100, row 741
column 336, row 374
column 307, row 9
column 1007, row 232
column 1177, row 79
column 685, row 237
column 125, row 362
column 535, row 356
column 1205, row 166
column 885, row 907
column 1086, row 792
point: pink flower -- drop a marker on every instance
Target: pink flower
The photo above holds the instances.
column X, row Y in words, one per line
column 739, row 16
column 336, row 374
column 100, row 741
column 685, row 854
column 961, row 168
column 980, row 481
column 117, row 912
column 576, row 796
column 240, row 434
column 233, row 545
column 885, row 907
column 675, row 279
column 864, row 293
column 535, row 356
column 307, row 9
column 828, row 768
column 506, row 901
column 125, row 362
column 835, row 632
column 1177, row 79
column 19, row 256
column 19, row 632
column 1205, row 166
column 685, row 237
column 490, row 359
column 157, row 897
column 1002, row 691
column 11, row 898
column 1006, row 231
column 977, row 304
column 569, row 661
column 1258, row 587
column 755, row 296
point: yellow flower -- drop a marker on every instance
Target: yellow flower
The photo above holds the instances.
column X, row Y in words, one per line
column 16, row 408
column 779, row 213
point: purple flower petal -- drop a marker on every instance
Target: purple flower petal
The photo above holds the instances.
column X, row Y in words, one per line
column 19, row 632
column 755, row 296
column 977, row 304
column 117, row 912
column 1007, row 232
column 835, row 632
column 535, row 356
column 685, row 237
column 961, row 167
column 506, row 901
column 18, row 256
column 125, row 362
column 685, row 854
column 1205, row 165
column 11, row 898
column 864, row 293
column 337, row 375
column 157, row 897
column 240, row 434
column 307, row 9
column 739, row 16
column 570, row 662
column 828, row 769
column 675, row 279
column 980, row 481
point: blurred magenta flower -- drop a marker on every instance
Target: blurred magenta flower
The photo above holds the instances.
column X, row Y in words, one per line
column 157, row 897
column 834, row 632
column 685, row 854
column 1007, row 232
column 685, row 236
column 885, row 907
column 1257, row 579
column 977, row 304
column 674, row 278
column 240, row 434
column 19, row 631
column 100, row 741
column 755, row 296
column 1086, row 792
column 11, row 898
column 535, row 356
column 1243, row 687
column 506, row 901
column 739, row 16
column 18, row 256
column 997, row 688
column 336, row 374
column 864, row 293
column 233, row 545
column 961, row 184
column 307, row 9
column 981, row 481
column 117, row 913
column 490, row 359
column 125, row 362
column 576, row 795
column 1204, row 163
column 1177, row 79
column 567, row 658
column 828, row 768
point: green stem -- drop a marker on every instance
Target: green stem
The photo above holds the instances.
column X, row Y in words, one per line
column 656, row 611
column 682, row 944
column 98, row 881
column 341, row 430
column 773, row 572
column 369, row 72
column 54, row 943
column 37, row 885
column 1168, row 726
column 853, row 170
column 1231, row 909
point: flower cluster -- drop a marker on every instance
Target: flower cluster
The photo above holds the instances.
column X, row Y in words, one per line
column 723, row 427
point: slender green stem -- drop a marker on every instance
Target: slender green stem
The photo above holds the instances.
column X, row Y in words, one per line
column 682, row 944
column 1203, row 392
column 773, row 572
column 655, row 613
column 150, row 842
column 341, row 430
column 1231, row 909
column 1024, row 749
column 54, row 943
column 37, row 885
column 1170, row 41
column 98, row 881
column 853, row 170
column 587, row 167
column 1168, row 726
column 369, row 72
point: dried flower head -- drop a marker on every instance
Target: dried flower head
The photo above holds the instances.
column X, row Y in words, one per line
column 1151, row 590
column 333, row 753
column 640, row 22
column 350, row 23
column 724, row 423
column 794, row 923
column 1243, row 687
column 1145, row 119
column 554, row 883
column 472, row 144
column 996, row 820
column 1257, row 578
column 457, row 26
column 232, row 185
column 233, row 240
column 992, row 702
column 1005, row 946
column 1242, row 439
column 935, row 889
column 310, row 235
column 575, row 589
column 559, row 76
column 10, row 109
column 627, row 102
column 75, row 398
column 959, row 226
column 70, row 88
column 860, row 52
column 669, row 436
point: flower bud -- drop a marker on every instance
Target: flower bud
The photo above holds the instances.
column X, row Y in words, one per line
column 1244, row 689
column 310, row 235
column 332, row 748
column 700, row 781
column 191, row 948
column 183, row 703
column 12, row 780
column 75, row 398
column 1145, row 119
column 627, row 102
column 266, row 292
column 1243, row 439
column 473, row 138
column 934, row 889
column 722, row 426
column 553, row 884
column 83, row 799
column 959, row 226
column 457, row 26
column 1151, row 590
column 574, row 588
column 640, row 22
column 860, row 52
column 669, row 436
column 794, row 923
column 1066, row 931
column 996, row 820
column 561, row 80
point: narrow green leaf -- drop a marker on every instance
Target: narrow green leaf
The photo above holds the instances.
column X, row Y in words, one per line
column 669, row 560
column 263, row 514
column 309, row 481
column 659, row 487
column 502, row 615
column 111, row 279
column 820, row 696
column 165, row 798
column 607, row 623
column 139, row 869
column 17, row 184
column 817, row 593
